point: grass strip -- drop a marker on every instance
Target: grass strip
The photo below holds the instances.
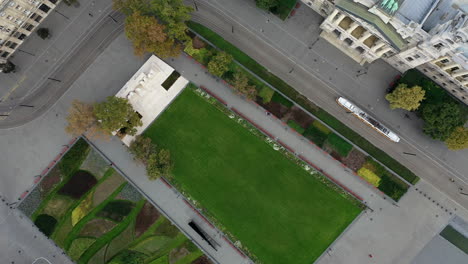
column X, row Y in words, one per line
column 456, row 238
column 290, row 92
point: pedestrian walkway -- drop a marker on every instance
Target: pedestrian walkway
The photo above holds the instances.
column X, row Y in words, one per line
column 22, row 242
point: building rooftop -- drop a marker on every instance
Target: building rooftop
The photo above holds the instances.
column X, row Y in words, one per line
column 387, row 30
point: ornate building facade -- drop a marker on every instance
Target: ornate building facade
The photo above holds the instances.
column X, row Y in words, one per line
column 18, row 19
column 430, row 35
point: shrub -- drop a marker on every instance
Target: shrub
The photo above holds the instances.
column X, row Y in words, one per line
column 277, row 97
column 315, row 135
column 81, row 182
column 116, row 210
column 390, row 187
column 141, row 148
column 73, row 159
column 374, row 166
column 339, row 144
column 220, row 63
column 46, row 224
column 369, row 176
column 166, row 228
column 43, row 33
column 266, row 93
column 128, row 257
column 296, row 126
column 320, row 126
column 82, row 209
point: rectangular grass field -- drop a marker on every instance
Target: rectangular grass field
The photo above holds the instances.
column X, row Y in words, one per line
column 278, row 211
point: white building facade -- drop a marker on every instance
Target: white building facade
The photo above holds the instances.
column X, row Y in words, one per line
column 430, row 35
column 18, row 19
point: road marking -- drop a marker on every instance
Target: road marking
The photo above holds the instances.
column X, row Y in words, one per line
column 13, row 89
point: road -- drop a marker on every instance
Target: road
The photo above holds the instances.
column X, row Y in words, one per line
column 45, row 78
column 221, row 16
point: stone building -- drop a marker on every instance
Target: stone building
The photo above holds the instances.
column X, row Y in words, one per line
column 430, row 35
column 18, row 19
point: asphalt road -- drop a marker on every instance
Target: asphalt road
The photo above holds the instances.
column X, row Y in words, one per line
column 222, row 18
column 34, row 100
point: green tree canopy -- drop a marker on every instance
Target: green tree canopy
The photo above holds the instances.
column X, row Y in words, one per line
column 159, row 164
column 406, row 98
column 147, row 35
column 116, row 113
column 442, row 119
column 174, row 14
column 241, row 83
column 266, row 4
column 219, row 64
column 458, row 139
column 142, row 147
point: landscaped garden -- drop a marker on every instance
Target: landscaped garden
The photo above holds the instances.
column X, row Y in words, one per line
column 274, row 206
column 96, row 216
column 299, row 120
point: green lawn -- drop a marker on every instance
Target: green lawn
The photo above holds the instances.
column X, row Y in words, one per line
column 276, row 209
column 301, row 100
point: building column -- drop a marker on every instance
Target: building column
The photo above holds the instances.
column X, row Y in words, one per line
column 353, row 26
column 439, row 59
column 366, row 35
column 340, row 18
column 377, row 45
column 451, row 66
column 459, row 73
column 383, row 51
column 333, row 15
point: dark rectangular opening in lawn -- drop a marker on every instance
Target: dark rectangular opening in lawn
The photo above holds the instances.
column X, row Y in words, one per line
column 170, row 80
column 275, row 208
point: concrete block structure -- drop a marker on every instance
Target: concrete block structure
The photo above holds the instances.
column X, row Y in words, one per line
column 150, row 90
column 18, row 19
column 430, row 35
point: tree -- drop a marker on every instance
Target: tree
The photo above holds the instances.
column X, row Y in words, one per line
column 148, row 35
column 219, row 64
column 458, row 139
column 406, row 98
column 7, row 67
column 116, row 113
column 174, row 14
column 159, row 164
column 142, row 147
column 81, row 120
column 43, row 33
column 266, row 4
column 128, row 7
column 241, row 83
column 441, row 119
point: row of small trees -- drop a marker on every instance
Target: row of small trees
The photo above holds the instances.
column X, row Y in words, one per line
column 442, row 120
column 157, row 160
